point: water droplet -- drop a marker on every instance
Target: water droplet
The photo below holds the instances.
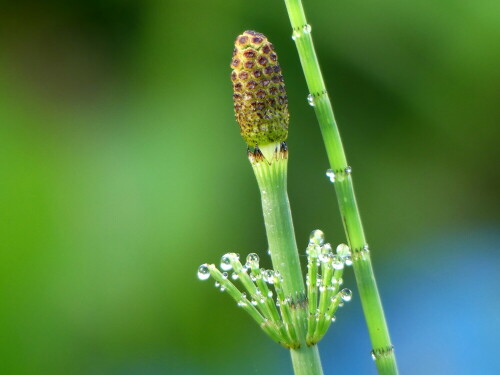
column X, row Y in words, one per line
column 254, row 302
column 253, row 277
column 324, row 257
column 217, row 284
column 310, row 100
column 252, row 260
column 270, row 294
column 225, row 262
column 330, row 174
column 307, row 29
column 243, row 295
column 222, row 288
column 340, row 281
column 326, row 248
column 374, row 357
column 269, row 251
column 348, row 170
column 203, row 272
column 234, row 276
column 346, row 294
column 348, row 261
column 317, row 237
column 334, row 319
column 296, row 34
column 278, row 304
column 366, row 249
column 337, row 263
column 322, row 288
column 313, row 249
column 343, row 251
column 269, row 276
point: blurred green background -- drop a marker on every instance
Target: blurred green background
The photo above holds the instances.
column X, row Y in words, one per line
column 122, row 170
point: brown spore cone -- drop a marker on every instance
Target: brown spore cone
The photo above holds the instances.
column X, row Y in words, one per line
column 260, row 101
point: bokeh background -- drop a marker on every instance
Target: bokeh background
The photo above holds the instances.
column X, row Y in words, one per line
column 122, row 170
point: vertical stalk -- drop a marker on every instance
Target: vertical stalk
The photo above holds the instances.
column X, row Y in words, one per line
column 271, row 178
column 383, row 352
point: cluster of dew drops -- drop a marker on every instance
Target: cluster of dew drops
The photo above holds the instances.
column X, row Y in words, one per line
column 317, row 237
column 252, row 260
column 325, row 253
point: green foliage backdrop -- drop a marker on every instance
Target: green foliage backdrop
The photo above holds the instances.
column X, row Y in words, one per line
column 121, row 167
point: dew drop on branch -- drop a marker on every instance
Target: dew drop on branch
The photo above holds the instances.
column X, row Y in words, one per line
column 310, row 100
column 252, row 260
column 343, row 251
column 225, row 262
column 317, row 237
column 331, row 175
column 346, row 294
column 203, row 272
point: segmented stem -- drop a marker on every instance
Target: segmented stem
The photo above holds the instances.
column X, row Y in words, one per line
column 367, row 286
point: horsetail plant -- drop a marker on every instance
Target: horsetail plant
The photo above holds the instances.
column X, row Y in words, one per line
column 299, row 316
column 340, row 175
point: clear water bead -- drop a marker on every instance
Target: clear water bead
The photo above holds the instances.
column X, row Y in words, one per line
column 310, row 100
column 225, row 262
column 327, row 248
column 217, row 284
column 348, row 170
column 296, row 34
column 203, row 272
column 234, row 276
column 334, row 319
column 307, row 29
column 343, row 251
column 252, row 260
column 324, row 257
column 317, row 237
column 348, row 261
column 331, row 175
column 269, row 276
column 222, row 288
column 224, row 275
column 337, row 263
column 346, row 294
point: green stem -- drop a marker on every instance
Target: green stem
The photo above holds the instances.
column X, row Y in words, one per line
column 367, row 286
column 271, row 178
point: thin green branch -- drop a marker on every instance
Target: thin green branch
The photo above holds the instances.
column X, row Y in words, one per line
column 341, row 174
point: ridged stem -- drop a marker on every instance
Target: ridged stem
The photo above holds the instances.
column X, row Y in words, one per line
column 372, row 306
column 271, row 178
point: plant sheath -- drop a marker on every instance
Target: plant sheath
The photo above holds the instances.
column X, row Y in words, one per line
column 372, row 306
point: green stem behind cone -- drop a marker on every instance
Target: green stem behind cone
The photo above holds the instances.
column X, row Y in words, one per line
column 370, row 299
column 271, row 177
